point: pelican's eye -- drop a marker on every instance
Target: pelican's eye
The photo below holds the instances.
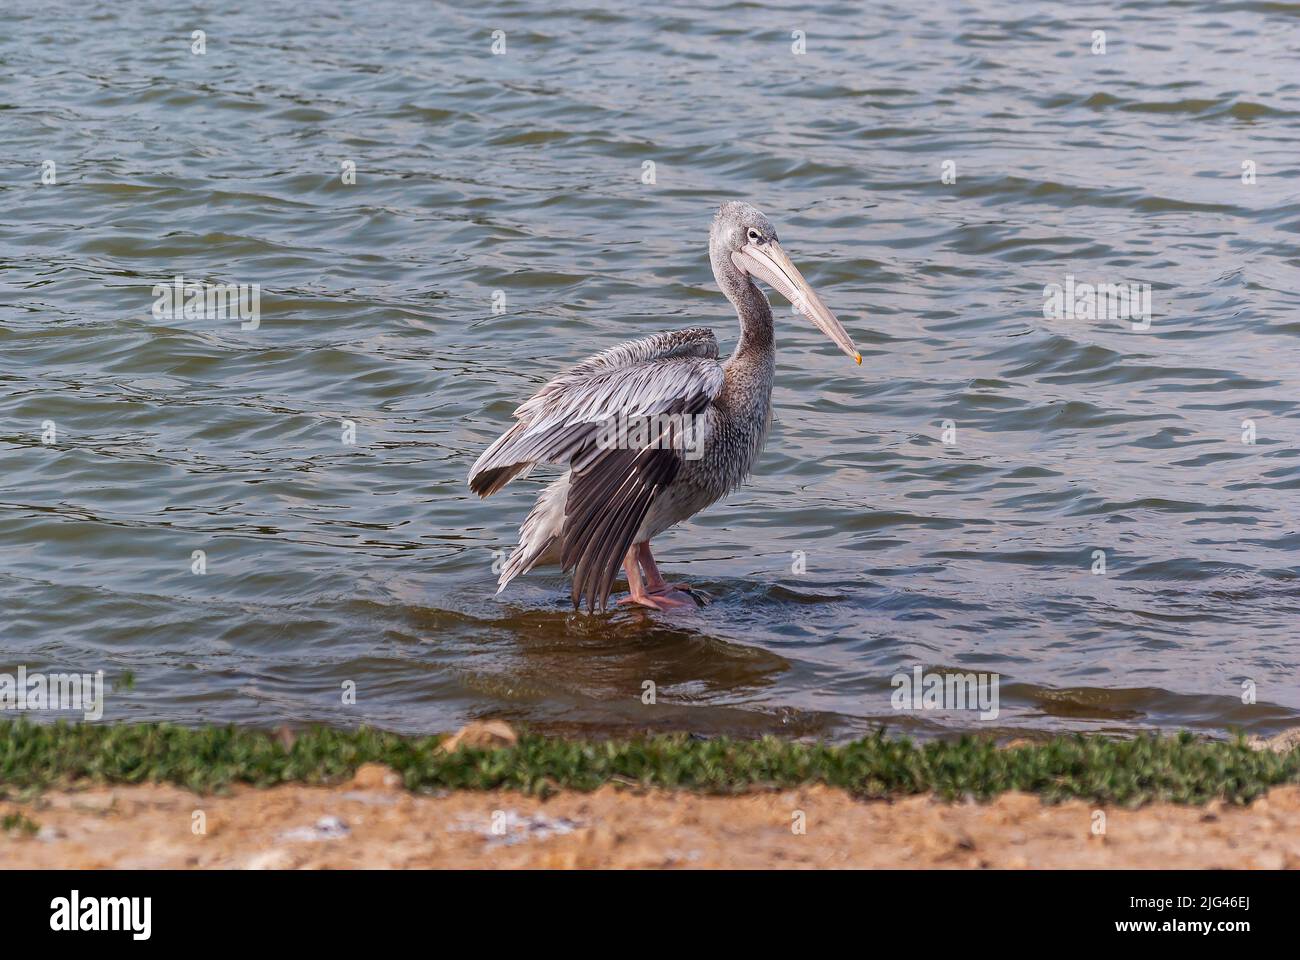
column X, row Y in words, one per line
column 755, row 236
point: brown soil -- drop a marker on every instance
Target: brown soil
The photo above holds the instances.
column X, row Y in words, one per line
column 372, row 823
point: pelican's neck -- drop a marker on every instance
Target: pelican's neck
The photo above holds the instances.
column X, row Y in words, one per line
column 755, row 315
column 752, row 308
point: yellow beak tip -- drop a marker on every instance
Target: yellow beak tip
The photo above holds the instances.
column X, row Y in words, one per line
column 858, row 357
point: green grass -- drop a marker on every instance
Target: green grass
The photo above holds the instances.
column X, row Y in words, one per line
column 18, row 823
column 1180, row 769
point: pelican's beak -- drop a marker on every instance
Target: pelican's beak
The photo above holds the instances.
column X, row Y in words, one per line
column 769, row 263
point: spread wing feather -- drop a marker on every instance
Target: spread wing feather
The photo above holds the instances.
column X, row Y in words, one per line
column 610, row 490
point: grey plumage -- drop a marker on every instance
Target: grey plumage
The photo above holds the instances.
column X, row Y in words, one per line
column 610, row 491
column 614, row 497
column 675, row 368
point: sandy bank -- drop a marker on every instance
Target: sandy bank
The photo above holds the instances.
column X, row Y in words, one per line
column 370, row 822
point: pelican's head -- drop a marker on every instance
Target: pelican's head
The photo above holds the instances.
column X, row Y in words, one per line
column 743, row 240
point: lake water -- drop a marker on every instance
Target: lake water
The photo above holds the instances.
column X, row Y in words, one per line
column 932, row 168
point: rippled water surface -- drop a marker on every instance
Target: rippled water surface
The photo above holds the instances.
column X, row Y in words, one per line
column 523, row 173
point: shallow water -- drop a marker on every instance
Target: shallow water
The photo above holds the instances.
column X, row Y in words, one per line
column 372, row 563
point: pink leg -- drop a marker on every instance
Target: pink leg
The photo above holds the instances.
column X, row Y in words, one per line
column 654, row 579
column 637, row 592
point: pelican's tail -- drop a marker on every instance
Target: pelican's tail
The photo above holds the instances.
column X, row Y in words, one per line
column 539, row 537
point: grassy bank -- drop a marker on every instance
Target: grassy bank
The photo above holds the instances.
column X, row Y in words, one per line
column 1180, row 769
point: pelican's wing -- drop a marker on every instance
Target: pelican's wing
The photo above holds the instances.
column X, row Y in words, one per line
column 610, row 489
column 634, row 378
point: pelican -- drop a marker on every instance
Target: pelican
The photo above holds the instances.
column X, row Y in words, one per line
column 700, row 424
